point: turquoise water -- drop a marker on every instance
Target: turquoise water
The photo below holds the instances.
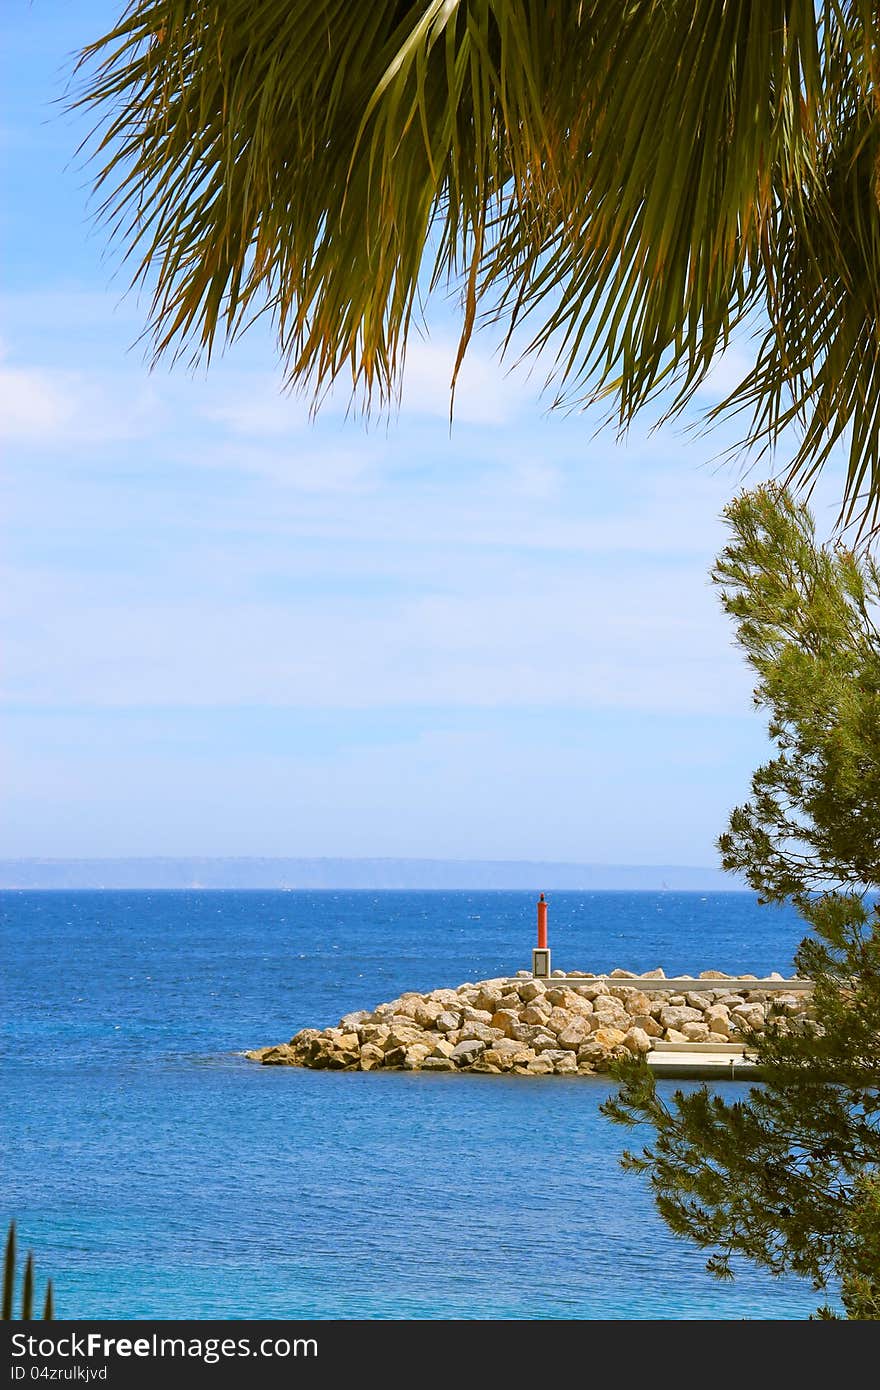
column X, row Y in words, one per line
column 158, row 1174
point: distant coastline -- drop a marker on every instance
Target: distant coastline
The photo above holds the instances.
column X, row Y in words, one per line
column 337, row 873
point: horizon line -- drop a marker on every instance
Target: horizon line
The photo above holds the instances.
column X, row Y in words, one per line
column 349, row 859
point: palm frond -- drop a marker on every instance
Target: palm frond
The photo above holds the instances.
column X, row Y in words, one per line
column 27, row 1285
column 627, row 182
column 9, row 1274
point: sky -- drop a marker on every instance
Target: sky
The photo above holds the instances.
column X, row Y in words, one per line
column 231, row 630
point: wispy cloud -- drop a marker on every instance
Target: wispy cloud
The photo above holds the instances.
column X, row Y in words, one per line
column 483, row 637
column 726, row 372
column 297, row 467
column 486, row 393
column 259, row 407
column 44, row 406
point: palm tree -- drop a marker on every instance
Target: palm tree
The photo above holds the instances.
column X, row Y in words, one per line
column 624, row 185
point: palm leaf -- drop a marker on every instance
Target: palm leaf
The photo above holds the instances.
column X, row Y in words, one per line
column 27, row 1289
column 624, row 184
column 9, row 1274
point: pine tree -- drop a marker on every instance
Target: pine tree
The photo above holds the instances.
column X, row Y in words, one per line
column 789, row 1177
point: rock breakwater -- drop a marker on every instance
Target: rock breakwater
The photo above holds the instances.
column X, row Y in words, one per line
column 567, row 1025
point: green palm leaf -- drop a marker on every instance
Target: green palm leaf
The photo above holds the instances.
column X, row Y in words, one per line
column 27, row 1290
column 27, row 1286
column 9, row 1275
column 629, row 184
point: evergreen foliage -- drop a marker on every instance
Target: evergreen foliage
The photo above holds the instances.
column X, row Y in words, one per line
column 789, row 1177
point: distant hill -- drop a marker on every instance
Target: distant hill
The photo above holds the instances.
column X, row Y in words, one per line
column 353, row 873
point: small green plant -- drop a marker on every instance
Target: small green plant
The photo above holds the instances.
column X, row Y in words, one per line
column 27, row 1287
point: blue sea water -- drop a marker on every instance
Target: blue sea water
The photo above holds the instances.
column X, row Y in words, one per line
column 156, row 1173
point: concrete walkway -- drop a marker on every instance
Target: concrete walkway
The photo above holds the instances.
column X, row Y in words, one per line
column 702, row 1061
column 673, row 984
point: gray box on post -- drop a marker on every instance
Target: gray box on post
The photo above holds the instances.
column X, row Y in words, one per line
column 541, row 963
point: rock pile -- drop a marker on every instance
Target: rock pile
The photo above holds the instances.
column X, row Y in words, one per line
column 569, row 1024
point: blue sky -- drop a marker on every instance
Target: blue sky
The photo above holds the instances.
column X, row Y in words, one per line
column 228, row 630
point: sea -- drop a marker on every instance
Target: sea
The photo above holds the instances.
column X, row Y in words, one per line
column 155, row 1173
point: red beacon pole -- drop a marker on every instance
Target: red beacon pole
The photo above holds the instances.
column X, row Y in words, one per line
column 541, row 953
column 542, row 923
